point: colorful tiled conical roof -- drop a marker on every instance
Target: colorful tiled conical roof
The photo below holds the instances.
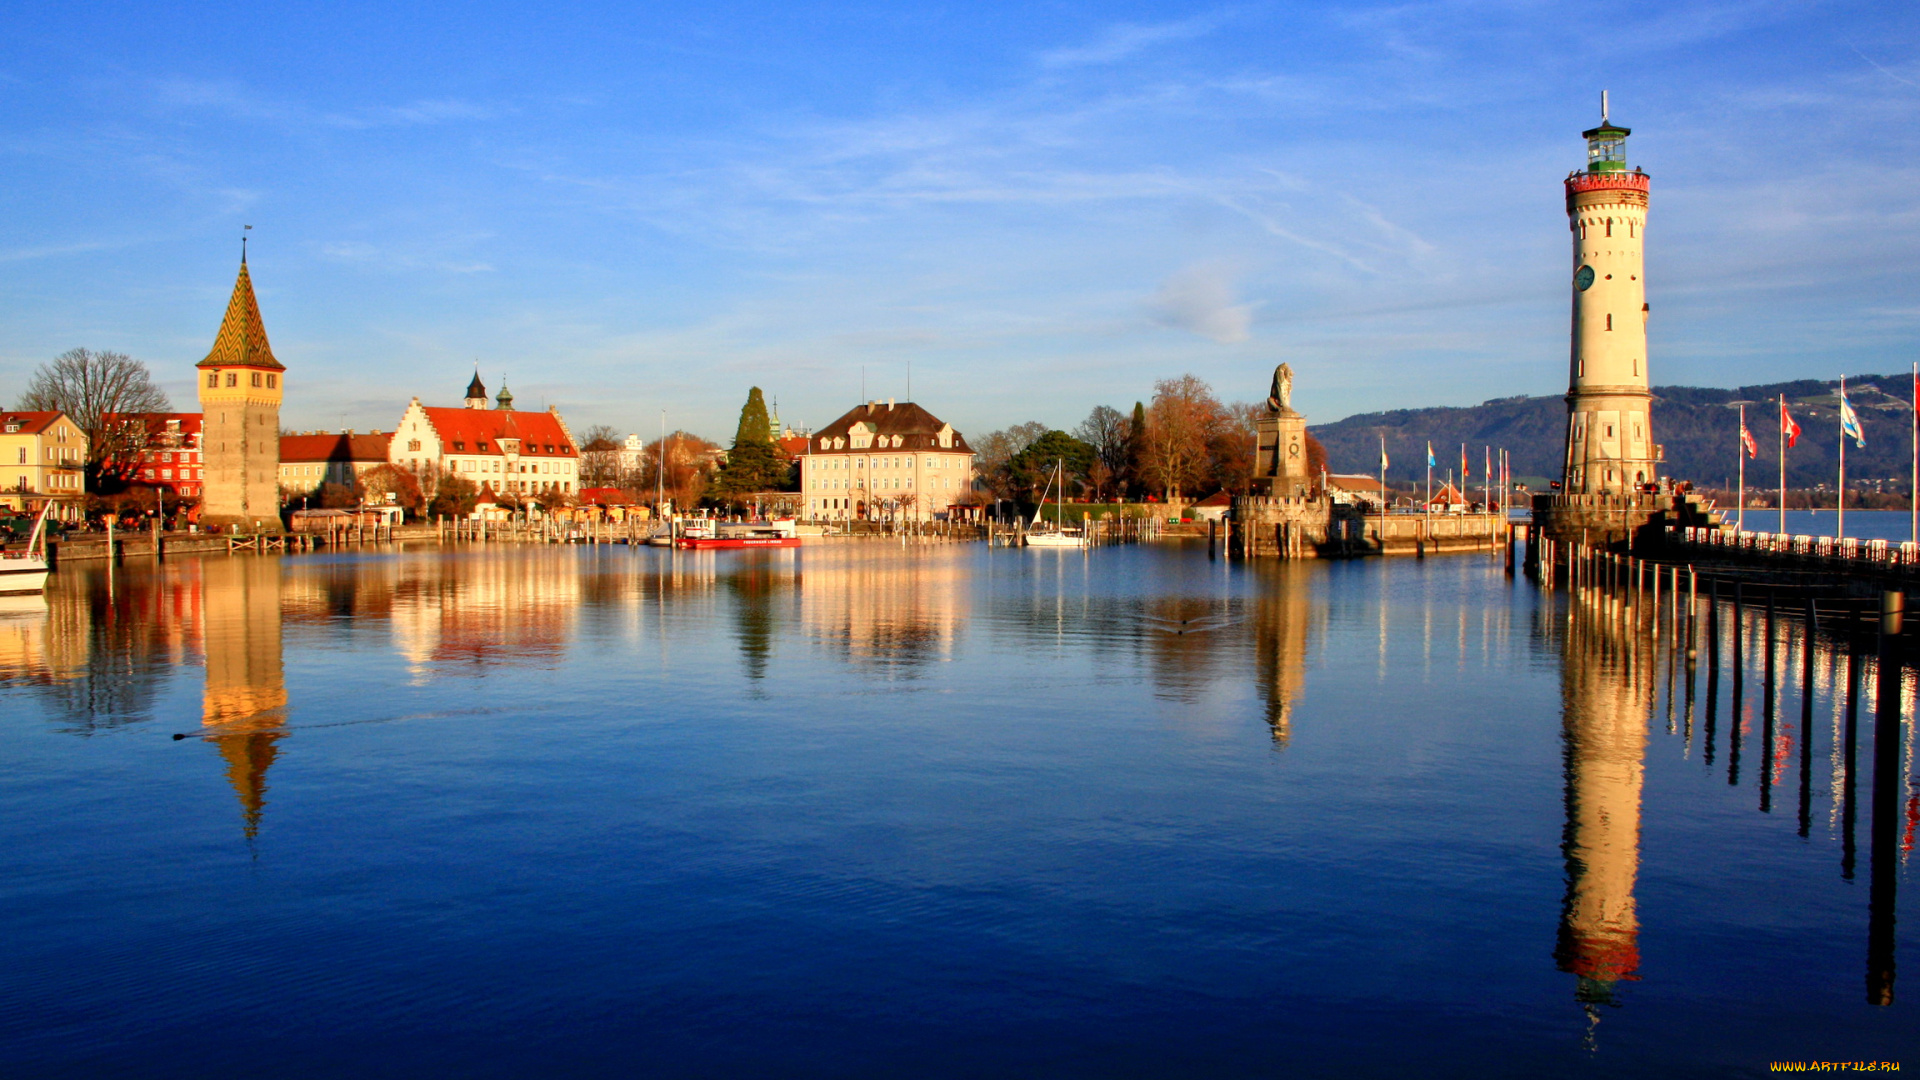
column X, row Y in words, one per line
column 243, row 338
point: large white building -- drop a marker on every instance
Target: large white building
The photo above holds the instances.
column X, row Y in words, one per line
column 885, row 460
column 512, row 452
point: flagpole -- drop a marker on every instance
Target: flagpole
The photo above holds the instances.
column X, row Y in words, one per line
column 1782, row 425
column 1429, row 506
column 1741, row 453
column 1840, row 516
column 1913, row 493
column 1383, row 494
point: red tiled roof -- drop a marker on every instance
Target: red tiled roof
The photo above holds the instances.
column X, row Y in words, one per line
column 606, row 496
column 31, row 423
column 335, row 447
column 1218, row 498
column 540, row 433
column 793, row 446
column 916, row 426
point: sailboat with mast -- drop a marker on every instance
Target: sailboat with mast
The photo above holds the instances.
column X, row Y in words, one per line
column 25, row 573
column 1060, row 535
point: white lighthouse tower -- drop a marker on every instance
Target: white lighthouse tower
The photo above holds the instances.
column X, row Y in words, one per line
column 1610, row 447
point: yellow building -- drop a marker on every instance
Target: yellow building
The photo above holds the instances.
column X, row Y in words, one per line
column 42, row 455
column 240, row 388
column 882, row 460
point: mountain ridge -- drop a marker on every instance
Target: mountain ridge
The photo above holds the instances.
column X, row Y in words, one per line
column 1697, row 425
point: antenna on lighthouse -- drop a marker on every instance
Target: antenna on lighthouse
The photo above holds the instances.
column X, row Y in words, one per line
column 1603, row 106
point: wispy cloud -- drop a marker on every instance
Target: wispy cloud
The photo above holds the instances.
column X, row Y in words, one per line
column 241, row 102
column 1202, row 299
column 1125, row 40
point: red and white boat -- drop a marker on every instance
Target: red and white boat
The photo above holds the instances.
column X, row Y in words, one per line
column 764, row 534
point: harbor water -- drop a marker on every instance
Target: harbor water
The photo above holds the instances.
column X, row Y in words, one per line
column 934, row 811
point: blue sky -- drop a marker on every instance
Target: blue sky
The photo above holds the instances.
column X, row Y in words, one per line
column 1041, row 207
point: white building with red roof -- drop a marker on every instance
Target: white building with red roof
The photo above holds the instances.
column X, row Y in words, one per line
column 512, row 452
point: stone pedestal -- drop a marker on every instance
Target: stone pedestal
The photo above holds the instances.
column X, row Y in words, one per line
column 1280, row 457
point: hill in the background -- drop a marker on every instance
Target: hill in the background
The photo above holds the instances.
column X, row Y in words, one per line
column 1699, row 426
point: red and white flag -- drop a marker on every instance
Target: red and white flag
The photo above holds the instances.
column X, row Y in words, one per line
column 1787, row 427
column 1746, row 440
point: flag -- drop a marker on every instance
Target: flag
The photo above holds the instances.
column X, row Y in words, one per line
column 1430, row 462
column 1787, row 427
column 1463, row 463
column 1383, row 454
column 1746, row 440
column 1849, row 423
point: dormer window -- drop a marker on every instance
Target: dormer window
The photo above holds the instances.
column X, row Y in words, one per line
column 458, row 445
column 481, row 446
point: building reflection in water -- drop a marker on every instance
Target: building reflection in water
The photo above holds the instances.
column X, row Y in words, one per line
column 1283, row 618
column 884, row 611
column 244, row 705
column 1606, row 690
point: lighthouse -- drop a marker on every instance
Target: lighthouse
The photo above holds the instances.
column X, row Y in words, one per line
column 1610, row 448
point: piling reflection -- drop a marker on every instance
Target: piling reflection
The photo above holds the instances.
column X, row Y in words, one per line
column 1606, row 690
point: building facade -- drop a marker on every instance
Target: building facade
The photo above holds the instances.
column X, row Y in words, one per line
column 42, row 455
column 309, row 459
column 163, row 452
column 1610, row 447
column 525, row 454
column 885, row 460
column 240, row 391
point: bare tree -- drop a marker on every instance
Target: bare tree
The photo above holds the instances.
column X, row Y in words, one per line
column 690, row 462
column 104, row 393
column 599, row 457
column 1108, row 431
column 994, row 453
column 1182, row 423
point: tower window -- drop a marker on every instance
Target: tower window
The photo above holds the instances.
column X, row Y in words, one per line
column 1609, row 322
column 272, row 380
column 213, row 379
column 233, row 378
column 256, row 379
column 1609, row 233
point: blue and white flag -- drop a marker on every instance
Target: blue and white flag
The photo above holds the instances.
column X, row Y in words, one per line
column 1850, row 423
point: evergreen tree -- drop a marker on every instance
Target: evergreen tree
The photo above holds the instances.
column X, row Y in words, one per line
column 753, row 420
column 1136, row 447
column 755, row 463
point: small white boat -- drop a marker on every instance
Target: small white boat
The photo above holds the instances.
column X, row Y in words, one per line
column 1057, row 536
column 1065, row 538
column 25, row 573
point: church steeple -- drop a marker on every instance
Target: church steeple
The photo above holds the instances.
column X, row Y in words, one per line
column 476, row 391
column 506, row 397
column 242, row 341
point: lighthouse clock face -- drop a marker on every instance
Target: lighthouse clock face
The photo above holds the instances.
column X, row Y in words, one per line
column 1584, row 278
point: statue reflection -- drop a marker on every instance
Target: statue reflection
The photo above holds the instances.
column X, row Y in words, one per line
column 1283, row 617
column 243, row 708
column 1606, row 687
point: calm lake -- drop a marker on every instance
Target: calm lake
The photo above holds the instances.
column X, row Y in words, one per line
column 940, row 811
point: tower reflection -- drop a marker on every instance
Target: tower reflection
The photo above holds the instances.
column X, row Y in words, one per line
column 1606, row 685
column 1283, row 618
column 243, row 708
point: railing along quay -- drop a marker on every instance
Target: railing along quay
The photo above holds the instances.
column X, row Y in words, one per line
column 1820, row 552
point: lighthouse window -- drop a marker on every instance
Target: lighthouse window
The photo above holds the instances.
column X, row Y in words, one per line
column 1609, row 431
column 1609, row 226
column 1609, row 322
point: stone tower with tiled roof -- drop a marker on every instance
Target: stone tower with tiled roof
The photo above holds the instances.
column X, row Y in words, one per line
column 240, row 389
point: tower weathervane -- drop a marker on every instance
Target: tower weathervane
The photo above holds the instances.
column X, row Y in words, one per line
column 243, row 242
column 1603, row 106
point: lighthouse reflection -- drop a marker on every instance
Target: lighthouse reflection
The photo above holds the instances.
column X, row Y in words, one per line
column 1606, row 688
